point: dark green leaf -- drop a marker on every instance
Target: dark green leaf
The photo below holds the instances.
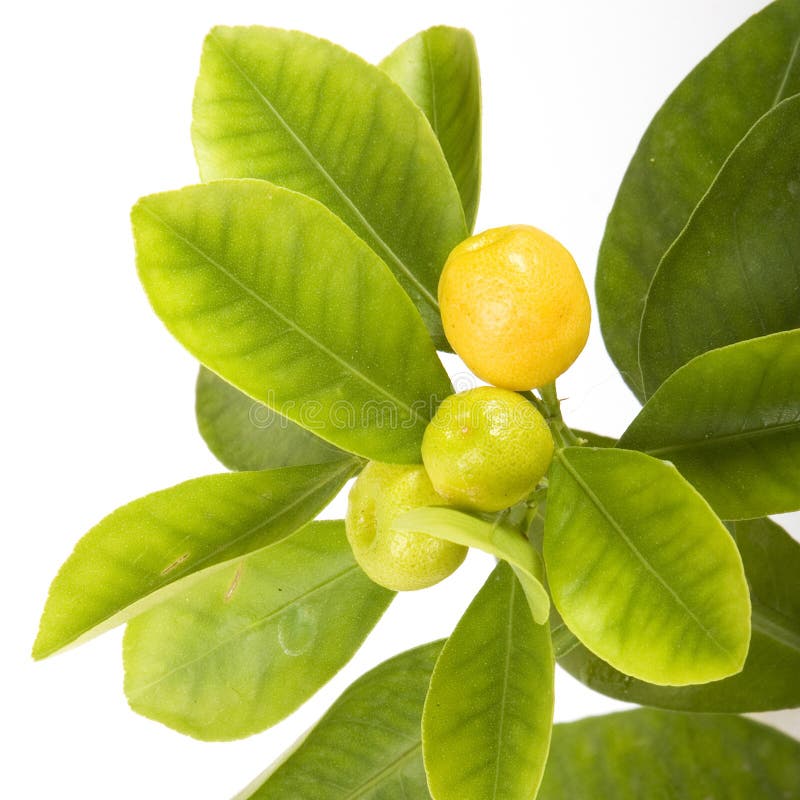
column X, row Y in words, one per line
column 734, row 271
column 244, row 647
column 769, row 679
column 137, row 556
column 641, row 569
column 489, row 711
column 245, row 434
column 647, row 754
column 278, row 296
column 730, row 422
column 438, row 69
column 679, row 155
column 306, row 114
column 367, row 745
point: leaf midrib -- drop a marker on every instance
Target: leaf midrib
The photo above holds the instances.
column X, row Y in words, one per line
column 723, row 439
column 434, row 110
column 329, row 179
column 391, row 767
column 637, row 553
column 348, row 367
column 785, row 79
column 192, row 569
column 243, row 632
column 504, row 690
column 775, row 625
column 701, row 201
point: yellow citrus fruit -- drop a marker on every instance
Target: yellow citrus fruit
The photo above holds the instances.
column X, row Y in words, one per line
column 486, row 448
column 399, row 560
column 514, row 306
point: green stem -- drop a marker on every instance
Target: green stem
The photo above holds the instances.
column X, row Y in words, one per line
column 564, row 437
column 535, row 402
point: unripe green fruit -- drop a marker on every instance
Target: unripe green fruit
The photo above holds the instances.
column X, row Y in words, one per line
column 486, row 448
column 399, row 560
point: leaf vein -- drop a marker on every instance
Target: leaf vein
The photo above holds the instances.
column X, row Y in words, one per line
column 742, row 435
column 329, row 179
column 412, row 413
column 595, row 500
column 139, row 690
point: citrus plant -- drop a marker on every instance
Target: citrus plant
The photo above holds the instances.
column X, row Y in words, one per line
column 314, row 273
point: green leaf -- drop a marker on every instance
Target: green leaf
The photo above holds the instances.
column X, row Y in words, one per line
column 595, row 439
column 733, row 273
column 367, row 745
column 491, row 537
column 730, row 422
column 438, row 69
column 489, row 711
column 641, row 569
column 274, row 293
column 657, row 754
column 306, row 114
column 143, row 553
column 244, row 647
column 245, row 434
column 769, row 679
column 677, row 159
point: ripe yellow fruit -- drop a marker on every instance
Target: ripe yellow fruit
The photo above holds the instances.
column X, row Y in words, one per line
column 514, row 306
column 398, row 560
column 486, row 448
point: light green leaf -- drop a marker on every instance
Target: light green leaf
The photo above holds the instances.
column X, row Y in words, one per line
column 367, row 745
column 677, row 159
column 769, row 679
column 271, row 291
column 647, row 754
column 491, row 537
column 144, row 552
column 732, row 274
column 641, row 569
column 245, row 434
column 438, row 69
column 303, row 113
column 244, row 647
column 489, row 711
column 730, row 422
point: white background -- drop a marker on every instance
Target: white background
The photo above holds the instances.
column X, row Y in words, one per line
column 97, row 404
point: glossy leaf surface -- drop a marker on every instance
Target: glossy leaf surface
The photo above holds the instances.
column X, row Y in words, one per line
column 438, row 69
column 678, row 157
column 304, row 113
column 247, row 435
column 730, row 422
column 734, row 271
column 142, row 553
column 491, row 537
column 367, row 745
column 641, row 570
column 769, row 679
column 657, row 754
column 489, row 711
column 274, row 293
column 244, row 647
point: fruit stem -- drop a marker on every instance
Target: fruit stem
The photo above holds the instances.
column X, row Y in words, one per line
column 535, row 402
column 551, row 409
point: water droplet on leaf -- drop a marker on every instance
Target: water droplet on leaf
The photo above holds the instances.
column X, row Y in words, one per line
column 297, row 630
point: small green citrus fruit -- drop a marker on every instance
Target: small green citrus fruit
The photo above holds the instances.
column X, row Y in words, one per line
column 486, row 448
column 399, row 560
